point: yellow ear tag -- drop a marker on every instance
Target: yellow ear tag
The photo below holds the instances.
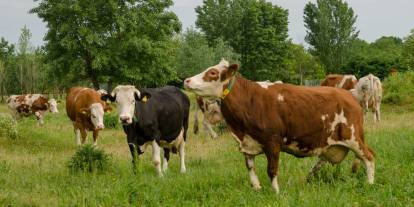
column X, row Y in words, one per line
column 145, row 99
column 225, row 92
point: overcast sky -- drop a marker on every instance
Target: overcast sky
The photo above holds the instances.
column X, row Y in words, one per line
column 376, row 18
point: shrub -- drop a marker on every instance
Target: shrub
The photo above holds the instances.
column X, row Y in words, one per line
column 111, row 120
column 398, row 89
column 8, row 127
column 89, row 159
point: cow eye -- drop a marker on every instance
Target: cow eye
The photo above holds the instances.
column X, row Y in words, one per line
column 93, row 116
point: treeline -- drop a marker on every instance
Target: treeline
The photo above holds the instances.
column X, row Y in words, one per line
column 104, row 43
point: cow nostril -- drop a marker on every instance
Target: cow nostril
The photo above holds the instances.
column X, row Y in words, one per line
column 187, row 81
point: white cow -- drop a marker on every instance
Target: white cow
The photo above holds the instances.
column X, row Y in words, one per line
column 368, row 92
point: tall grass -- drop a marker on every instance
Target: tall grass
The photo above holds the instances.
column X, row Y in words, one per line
column 33, row 172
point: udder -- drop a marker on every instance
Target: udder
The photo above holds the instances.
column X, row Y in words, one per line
column 335, row 153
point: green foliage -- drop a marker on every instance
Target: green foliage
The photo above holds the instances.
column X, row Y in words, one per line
column 376, row 58
column 331, row 29
column 89, row 159
column 8, row 127
column 301, row 65
column 111, row 120
column 398, row 89
column 115, row 41
column 256, row 29
column 194, row 54
column 408, row 51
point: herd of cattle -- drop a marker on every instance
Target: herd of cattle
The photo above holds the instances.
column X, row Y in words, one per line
column 263, row 117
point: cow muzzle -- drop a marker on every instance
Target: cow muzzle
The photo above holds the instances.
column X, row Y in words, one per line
column 125, row 119
column 100, row 127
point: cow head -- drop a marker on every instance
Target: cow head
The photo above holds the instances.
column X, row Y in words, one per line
column 53, row 106
column 125, row 97
column 96, row 114
column 210, row 82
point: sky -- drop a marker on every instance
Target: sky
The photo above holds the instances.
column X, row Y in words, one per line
column 376, row 18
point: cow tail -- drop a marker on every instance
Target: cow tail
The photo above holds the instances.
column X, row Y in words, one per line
column 195, row 127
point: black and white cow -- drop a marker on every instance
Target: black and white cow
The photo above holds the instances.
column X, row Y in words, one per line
column 157, row 117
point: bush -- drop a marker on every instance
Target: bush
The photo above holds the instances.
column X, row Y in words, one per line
column 89, row 159
column 8, row 127
column 398, row 89
column 111, row 120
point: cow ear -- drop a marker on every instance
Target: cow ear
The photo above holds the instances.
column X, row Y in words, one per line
column 229, row 72
column 107, row 108
column 84, row 111
column 106, row 97
column 144, row 97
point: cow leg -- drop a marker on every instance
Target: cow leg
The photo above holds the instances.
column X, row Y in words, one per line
column 315, row 169
column 207, row 127
column 166, row 159
column 182, row 157
column 356, row 164
column 272, row 151
column 156, row 157
column 134, row 154
column 95, row 137
column 378, row 112
column 83, row 135
column 254, row 180
column 77, row 134
column 365, row 154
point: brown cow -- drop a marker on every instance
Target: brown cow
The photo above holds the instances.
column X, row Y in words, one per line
column 346, row 82
column 211, row 110
column 302, row 121
column 31, row 104
column 86, row 110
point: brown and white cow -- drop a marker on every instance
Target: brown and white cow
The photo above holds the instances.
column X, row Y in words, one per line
column 31, row 104
column 302, row 121
column 346, row 82
column 368, row 92
column 210, row 109
column 86, row 110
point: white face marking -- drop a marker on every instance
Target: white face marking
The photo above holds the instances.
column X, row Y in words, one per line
column 339, row 118
column 53, row 106
column 204, row 88
column 125, row 102
column 97, row 115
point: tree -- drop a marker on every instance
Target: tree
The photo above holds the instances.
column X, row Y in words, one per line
column 194, row 54
column 376, row 58
column 330, row 31
column 121, row 41
column 408, row 51
column 256, row 29
column 301, row 65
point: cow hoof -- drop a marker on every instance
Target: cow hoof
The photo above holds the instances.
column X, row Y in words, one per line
column 257, row 187
column 183, row 171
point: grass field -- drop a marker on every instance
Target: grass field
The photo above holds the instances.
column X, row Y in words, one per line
column 33, row 171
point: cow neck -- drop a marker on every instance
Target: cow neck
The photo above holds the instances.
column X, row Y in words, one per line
column 229, row 86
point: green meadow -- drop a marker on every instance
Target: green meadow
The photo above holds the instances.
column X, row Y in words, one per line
column 33, row 171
